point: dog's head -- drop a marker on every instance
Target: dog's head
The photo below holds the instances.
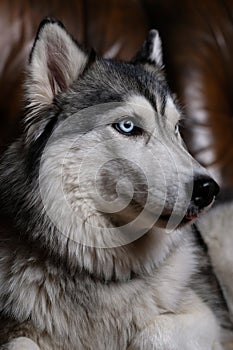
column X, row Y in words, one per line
column 106, row 133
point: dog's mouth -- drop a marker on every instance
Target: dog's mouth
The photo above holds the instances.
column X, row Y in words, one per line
column 188, row 218
column 191, row 214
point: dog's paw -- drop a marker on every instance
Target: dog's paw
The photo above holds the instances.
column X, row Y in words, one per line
column 21, row 343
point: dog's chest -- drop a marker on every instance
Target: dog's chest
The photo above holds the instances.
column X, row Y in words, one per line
column 87, row 314
column 81, row 313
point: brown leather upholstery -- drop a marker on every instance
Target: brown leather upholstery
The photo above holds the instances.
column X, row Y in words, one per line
column 198, row 52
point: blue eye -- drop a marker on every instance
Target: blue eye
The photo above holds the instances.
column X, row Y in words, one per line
column 127, row 127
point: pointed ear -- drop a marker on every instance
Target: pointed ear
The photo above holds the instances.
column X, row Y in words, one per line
column 151, row 51
column 55, row 63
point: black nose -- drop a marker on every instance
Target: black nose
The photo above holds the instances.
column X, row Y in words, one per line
column 204, row 191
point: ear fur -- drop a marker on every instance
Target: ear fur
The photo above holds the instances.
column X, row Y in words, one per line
column 55, row 62
column 151, row 51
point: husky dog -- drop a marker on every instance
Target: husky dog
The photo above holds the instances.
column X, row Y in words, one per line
column 97, row 250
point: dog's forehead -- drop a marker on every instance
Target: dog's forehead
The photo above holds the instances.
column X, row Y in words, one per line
column 146, row 90
column 108, row 81
column 134, row 77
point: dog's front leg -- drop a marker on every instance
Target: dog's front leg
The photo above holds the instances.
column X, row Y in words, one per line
column 175, row 333
column 194, row 329
column 21, row 343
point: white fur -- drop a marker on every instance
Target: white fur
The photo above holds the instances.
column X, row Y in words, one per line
column 156, row 54
column 164, row 311
column 171, row 112
column 193, row 329
column 217, row 229
column 22, row 343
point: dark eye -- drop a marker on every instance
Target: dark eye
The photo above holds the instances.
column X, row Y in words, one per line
column 177, row 129
column 127, row 127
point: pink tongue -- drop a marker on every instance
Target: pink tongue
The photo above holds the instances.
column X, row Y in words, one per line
column 190, row 216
